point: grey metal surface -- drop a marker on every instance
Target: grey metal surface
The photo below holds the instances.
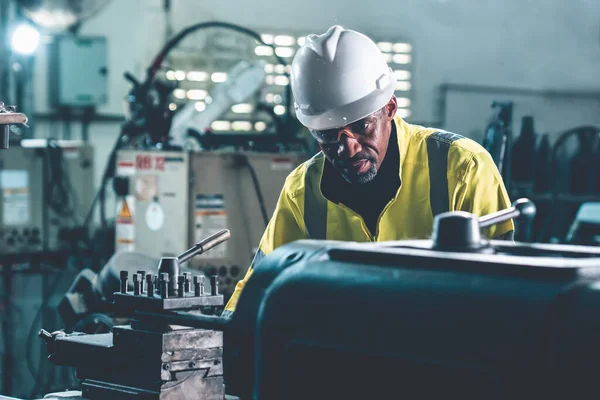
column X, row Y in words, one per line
column 143, row 303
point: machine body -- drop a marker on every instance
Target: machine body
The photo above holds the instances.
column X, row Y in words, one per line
column 452, row 316
column 402, row 320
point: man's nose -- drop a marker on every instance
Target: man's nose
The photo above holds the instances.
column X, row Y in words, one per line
column 348, row 146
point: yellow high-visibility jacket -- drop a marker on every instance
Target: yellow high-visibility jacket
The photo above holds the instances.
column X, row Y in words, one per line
column 439, row 172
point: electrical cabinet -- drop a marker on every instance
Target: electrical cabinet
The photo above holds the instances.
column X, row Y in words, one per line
column 44, row 192
column 78, row 71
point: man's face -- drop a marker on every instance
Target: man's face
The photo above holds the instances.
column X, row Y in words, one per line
column 362, row 145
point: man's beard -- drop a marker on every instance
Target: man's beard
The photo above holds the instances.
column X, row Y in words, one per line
column 352, row 176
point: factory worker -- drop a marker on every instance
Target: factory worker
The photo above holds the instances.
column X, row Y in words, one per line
column 377, row 177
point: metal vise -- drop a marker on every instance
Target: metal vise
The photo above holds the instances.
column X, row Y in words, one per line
column 151, row 358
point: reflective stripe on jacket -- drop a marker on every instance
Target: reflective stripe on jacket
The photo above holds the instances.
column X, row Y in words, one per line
column 439, row 172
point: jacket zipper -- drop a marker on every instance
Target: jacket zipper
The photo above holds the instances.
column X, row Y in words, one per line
column 362, row 221
column 381, row 216
column 372, row 238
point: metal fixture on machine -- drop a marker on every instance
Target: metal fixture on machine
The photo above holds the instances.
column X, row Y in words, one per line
column 152, row 358
column 461, row 231
column 323, row 319
column 8, row 117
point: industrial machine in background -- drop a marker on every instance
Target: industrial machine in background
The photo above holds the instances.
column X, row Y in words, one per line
column 154, row 120
column 455, row 316
column 497, row 139
column 47, row 189
column 177, row 180
column 169, row 200
column 245, row 79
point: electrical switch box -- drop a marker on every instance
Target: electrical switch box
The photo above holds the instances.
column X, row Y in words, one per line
column 78, row 75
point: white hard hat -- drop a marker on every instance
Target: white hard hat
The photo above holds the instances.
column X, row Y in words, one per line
column 338, row 78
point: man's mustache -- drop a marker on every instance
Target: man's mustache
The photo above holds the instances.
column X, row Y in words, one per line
column 347, row 162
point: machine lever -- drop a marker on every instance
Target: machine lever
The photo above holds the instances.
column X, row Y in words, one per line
column 523, row 208
column 461, row 231
column 205, row 245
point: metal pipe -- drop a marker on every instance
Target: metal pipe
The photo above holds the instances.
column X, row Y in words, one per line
column 498, row 217
column 205, row 245
column 4, row 136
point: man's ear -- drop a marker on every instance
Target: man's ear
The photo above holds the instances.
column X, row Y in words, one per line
column 391, row 108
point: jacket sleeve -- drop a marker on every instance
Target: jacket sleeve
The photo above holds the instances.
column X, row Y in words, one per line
column 286, row 225
column 479, row 189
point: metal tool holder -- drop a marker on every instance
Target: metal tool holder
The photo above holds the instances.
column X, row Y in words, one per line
column 9, row 116
column 152, row 358
column 151, row 293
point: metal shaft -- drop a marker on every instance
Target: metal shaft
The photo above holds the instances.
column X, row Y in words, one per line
column 136, row 284
column 205, row 245
column 123, row 277
column 214, row 285
column 4, row 136
column 164, row 285
column 150, row 284
column 188, row 280
column 498, row 217
column 198, row 285
column 180, row 285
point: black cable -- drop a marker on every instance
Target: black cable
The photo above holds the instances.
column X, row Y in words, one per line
column 259, row 196
column 60, row 196
column 100, row 193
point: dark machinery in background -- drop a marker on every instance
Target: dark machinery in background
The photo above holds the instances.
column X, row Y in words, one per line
column 497, row 139
column 561, row 177
column 453, row 316
column 150, row 116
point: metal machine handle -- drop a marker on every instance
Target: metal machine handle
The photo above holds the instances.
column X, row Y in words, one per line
column 523, row 208
column 204, row 245
column 8, row 117
column 462, row 231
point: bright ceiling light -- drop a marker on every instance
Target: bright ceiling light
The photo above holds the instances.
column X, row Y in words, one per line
column 25, row 39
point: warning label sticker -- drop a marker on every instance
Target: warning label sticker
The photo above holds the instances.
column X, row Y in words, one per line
column 125, row 168
column 124, row 227
column 15, row 197
column 211, row 217
column 281, row 164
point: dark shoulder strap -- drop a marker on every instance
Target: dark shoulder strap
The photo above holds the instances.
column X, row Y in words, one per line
column 315, row 205
column 438, row 145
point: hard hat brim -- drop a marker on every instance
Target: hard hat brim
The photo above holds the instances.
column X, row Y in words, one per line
column 351, row 112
